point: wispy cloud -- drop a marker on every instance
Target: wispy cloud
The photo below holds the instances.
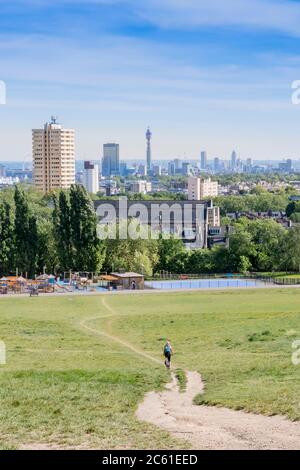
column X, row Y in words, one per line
column 280, row 15
column 117, row 78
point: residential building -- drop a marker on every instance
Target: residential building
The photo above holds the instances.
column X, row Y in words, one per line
column 200, row 188
column 53, row 151
column 218, row 236
column 91, row 177
column 213, row 217
column 111, row 160
column 141, row 186
column 188, row 220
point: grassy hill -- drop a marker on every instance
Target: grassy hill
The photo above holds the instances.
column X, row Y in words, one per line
column 73, row 376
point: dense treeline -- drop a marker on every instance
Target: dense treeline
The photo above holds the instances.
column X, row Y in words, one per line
column 257, row 246
column 262, row 202
column 52, row 234
column 58, row 232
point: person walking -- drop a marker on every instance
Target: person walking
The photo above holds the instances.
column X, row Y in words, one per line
column 168, row 351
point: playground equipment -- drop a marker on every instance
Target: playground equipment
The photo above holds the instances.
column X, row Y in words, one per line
column 3, row 285
column 60, row 287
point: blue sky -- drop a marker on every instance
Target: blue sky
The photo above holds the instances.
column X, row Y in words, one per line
column 205, row 74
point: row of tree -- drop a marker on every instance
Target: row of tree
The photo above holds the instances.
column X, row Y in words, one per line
column 63, row 238
column 19, row 244
column 257, row 246
column 261, row 202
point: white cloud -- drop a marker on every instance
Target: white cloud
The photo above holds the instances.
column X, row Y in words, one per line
column 277, row 15
column 280, row 15
column 117, row 85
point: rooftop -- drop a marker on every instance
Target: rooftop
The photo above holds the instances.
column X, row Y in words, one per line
column 126, row 275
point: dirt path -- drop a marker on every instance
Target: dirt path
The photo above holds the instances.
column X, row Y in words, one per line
column 203, row 426
column 215, row 428
column 114, row 338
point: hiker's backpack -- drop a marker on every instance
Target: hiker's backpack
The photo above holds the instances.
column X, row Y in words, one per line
column 167, row 349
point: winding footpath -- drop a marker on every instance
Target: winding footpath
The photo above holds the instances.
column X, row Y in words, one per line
column 215, row 428
column 205, row 427
column 113, row 337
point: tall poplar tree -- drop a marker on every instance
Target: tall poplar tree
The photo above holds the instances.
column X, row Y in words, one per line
column 6, row 239
column 62, row 231
column 88, row 249
column 21, row 231
column 25, row 234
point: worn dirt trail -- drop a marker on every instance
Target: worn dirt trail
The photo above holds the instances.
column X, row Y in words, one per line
column 215, row 428
column 118, row 340
column 203, row 426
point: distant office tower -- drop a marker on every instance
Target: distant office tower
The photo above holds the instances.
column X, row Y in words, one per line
column 53, row 150
column 233, row 160
column 91, row 177
column 178, row 165
column 142, row 170
column 156, row 170
column 171, row 168
column 286, row 166
column 111, row 160
column 123, row 169
column 186, row 168
column 199, row 188
column 203, row 163
column 217, row 165
column 2, row 171
column 149, row 156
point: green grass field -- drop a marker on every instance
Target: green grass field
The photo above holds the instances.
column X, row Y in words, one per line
column 66, row 385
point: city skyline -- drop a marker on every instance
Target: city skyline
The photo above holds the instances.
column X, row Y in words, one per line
column 211, row 76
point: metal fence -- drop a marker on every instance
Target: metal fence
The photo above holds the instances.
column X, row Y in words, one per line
column 204, row 284
column 281, row 280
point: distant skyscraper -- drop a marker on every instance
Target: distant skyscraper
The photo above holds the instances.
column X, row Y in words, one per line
column 91, row 177
column 142, row 170
column 123, row 168
column 178, row 165
column 2, row 171
column 217, row 165
column 149, row 156
column 233, row 160
column 111, row 160
column 186, row 168
column 53, row 151
column 157, row 170
column 203, row 162
column 171, row 168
